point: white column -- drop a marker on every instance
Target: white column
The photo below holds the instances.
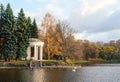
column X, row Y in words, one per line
column 41, row 52
column 36, row 52
column 35, row 57
column 28, row 52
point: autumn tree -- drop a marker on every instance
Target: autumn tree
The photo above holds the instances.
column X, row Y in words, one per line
column 41, row 34
column 68, row 41
column 90, row 49
column 86, row 49
column 48, row 27
column 58, row 41
column 94, row 50
column 118, row 44
column 59, row 37
column 77, row 49
column 100, row 43
column 107, row 52
column 117, row 54
column 112, row 43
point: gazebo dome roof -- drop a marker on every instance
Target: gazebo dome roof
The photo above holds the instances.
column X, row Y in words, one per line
column 34, row 40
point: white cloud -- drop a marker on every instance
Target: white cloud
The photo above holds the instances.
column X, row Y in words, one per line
column 56, row 11
column 95, row 20
column 49, row 1
column 90, row 18
column 92, row 15
column 53, row 9
column 37, row 14
column 50, row 7
column 111, row 12
column 103, row 36
column 41, row 0
column 81, row 35
column 29, row 1
column 93, row 6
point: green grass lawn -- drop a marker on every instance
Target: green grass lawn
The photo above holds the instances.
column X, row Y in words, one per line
column 19, row 63
column 59, row 62
column 112, row 61
column 51, row 62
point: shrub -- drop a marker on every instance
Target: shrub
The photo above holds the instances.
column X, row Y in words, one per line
column 96, row 60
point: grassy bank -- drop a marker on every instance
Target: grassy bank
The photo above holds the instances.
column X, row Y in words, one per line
column 20, row 63
column 95, row 61
column 59, row 63
column 14, row 64
column 81, row 62
column 52, row 62
column 111, row 61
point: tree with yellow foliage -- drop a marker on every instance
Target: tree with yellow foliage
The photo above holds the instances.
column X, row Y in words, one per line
column 52, row 37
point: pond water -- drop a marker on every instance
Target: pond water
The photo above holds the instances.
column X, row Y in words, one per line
column 97, row 73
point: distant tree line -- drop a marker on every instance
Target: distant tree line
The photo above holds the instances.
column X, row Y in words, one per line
column 15, row 33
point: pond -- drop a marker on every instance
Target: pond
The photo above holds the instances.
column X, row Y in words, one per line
column 96, row 73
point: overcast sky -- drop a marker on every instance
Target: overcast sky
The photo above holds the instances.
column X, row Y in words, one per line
column 95, row 20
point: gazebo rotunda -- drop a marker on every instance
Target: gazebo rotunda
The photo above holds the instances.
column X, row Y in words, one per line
column 35, row 49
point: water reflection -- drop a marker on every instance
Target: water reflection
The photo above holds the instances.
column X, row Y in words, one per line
column 38, row 75
column 85, row 74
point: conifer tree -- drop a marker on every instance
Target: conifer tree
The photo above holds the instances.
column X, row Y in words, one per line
column 22, row 35
column 9, row 43
column 29, row 25
column 1, row 18
column 34, row 30
column 1, row 27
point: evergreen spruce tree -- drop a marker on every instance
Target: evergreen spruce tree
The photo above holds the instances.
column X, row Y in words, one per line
column 22, row 35
column 9, row 43
column 29, row 25
column 1, row 28
column 34, row 30
column 1, row 18
column 2, row 11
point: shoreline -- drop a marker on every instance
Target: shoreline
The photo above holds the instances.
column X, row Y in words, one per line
column 61, row 67
column 54, row 67
column 12, row 67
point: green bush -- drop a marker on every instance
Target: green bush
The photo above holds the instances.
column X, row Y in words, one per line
column 112, row 61
column 19, row 63
column 50, row 62
column 95, row 60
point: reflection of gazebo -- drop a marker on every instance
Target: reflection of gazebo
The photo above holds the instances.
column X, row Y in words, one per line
column 35, row 49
